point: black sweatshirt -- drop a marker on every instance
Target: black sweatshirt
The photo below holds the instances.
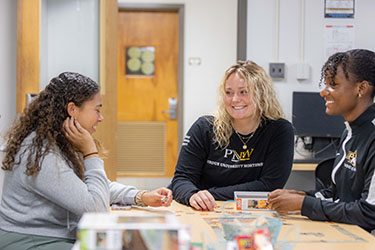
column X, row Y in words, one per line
column 264, row 166
column 351, row 198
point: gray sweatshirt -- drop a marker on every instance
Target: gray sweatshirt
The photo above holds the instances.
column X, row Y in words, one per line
column 52, row 202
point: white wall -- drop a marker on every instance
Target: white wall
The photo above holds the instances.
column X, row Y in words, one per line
column 261, row 39
column 261, row 48
column 8, row 52
column 211, row 34
column 8, row 42
column 69, row 38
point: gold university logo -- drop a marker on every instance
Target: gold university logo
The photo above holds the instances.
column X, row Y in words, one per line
column 352, row 158
column 236, row 157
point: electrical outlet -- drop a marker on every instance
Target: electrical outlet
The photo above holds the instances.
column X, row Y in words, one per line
column 277, row 70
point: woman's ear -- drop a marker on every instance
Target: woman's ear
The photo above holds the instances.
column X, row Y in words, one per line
column 363, row 88
column 71, row 109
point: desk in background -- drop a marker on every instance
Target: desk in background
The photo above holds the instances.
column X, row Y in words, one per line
column 314, row 234
column 302, row 176
column 304, row 166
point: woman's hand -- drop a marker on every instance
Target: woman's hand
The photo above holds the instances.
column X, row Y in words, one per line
column 203, row 200
column 158, row 197
column 283, row 200
column 78, row 136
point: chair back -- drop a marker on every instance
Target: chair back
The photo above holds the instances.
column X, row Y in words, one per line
column 323, row 173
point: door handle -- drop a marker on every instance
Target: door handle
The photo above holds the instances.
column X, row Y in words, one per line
column 172, row 111
column 30, row 97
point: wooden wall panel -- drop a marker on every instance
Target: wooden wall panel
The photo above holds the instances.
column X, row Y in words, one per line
column 106, row 132
column 28, row 59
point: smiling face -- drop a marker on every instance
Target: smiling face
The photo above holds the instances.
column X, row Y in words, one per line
column 237, row 99
column 341, row 96
column 88, row 115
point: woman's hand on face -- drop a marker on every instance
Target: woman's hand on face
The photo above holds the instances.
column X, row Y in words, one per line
column 78, row 136
column 158, row 197
column 203, row 200
column 283, row 200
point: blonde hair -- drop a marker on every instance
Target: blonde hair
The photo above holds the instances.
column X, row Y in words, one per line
column 264, row 98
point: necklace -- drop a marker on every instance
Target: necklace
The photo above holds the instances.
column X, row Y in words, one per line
column 247, row 140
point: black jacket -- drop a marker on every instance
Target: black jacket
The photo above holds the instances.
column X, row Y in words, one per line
column 264, row 166
column 351, row 198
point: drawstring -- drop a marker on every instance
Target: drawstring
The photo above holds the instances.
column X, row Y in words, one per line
column 67, row 220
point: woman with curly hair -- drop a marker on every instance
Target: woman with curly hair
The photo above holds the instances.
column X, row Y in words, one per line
column 349, row 79
column 246, row 146
column 53, row 173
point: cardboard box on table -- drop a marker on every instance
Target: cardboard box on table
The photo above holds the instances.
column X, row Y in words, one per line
column 251, row 200
column 99, row 231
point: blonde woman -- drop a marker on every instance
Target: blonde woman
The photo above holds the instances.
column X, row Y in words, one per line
column 246, row 146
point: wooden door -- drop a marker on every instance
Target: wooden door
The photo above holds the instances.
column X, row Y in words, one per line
column 147, row 137
column 28, row 67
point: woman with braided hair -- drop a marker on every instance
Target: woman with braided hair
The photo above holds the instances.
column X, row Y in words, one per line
column 349, row 79
column 53, row 173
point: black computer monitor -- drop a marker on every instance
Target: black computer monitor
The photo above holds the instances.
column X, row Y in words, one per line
column 310, row 120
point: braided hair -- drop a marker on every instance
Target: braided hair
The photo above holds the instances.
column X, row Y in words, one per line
column 45, row 116
column 360, row 63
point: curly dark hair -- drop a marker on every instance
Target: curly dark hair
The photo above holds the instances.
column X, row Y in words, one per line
column 45, row 116
column 360, row 63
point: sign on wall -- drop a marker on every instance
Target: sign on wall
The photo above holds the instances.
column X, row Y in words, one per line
column 338, row 38
column 140, row 61
column 339, row 8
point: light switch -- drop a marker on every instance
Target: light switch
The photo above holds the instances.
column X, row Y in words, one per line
column 194, row 61
column 303, row 71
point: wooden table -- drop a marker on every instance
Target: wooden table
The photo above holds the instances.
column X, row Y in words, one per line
column 313, row 234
